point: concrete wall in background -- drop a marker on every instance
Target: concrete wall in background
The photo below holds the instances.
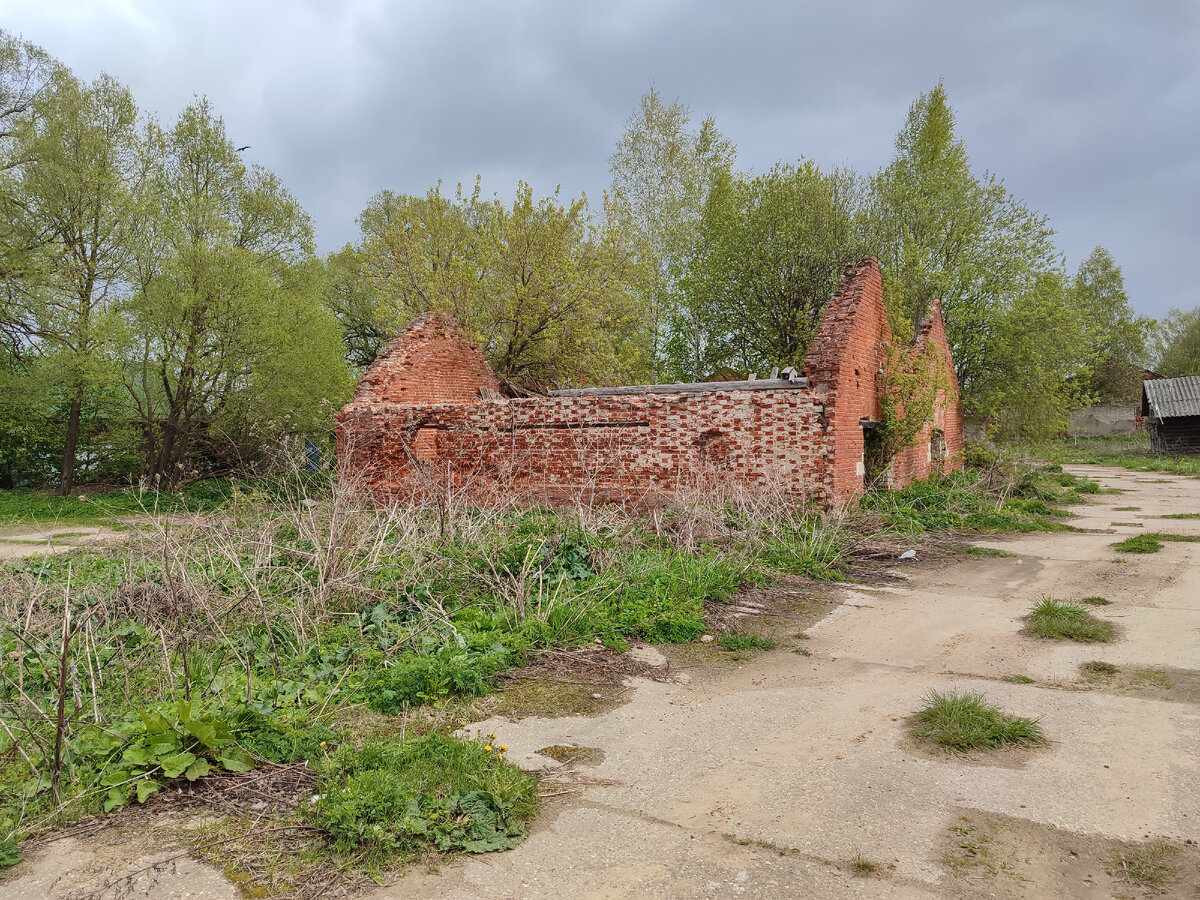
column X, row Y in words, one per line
column 1104, row 419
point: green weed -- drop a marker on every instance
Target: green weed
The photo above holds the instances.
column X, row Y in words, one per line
column 1181, row 516
column 1065, row 621
column 736, row 641
column 1152, row 541
column 1096, row 601
column 398, row 796
column 962, row 721
column 1017, row 679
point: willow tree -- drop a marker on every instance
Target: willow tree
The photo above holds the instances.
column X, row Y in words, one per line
column 230, row 344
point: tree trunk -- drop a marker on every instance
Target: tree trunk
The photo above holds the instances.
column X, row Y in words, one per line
column 68, row 462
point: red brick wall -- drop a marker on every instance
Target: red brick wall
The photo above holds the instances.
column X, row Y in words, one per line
column 432, row 361
column 843, row 365
column 626, row 447
column 917, row 461
column 429, row 412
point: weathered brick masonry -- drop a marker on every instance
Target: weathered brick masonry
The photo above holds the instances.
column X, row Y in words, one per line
column 430, row 412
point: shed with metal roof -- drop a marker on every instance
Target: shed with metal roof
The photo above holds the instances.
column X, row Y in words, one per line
column 1171, row 410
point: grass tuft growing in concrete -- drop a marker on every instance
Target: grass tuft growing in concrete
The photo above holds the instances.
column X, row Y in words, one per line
column 1152, row 541
column 735, row 641
column 1065, row 621
column 1096, row 601
column 861, row 867
column 1017, row 679
column 1098, row 669
column 966, row 721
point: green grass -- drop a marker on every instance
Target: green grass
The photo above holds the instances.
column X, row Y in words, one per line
column 1153, row 541
column 737, row 641
column 1148, row 865
column 1181, row 516
column 1124, row 451
column 1127, row 509
column 1066, row 621
column 1098, row 669
column 27, row 507
column 1096, row 601
column 861, row 867
column 982, row 502
column 1018, row 679
column 398, row 796
column 962, row 721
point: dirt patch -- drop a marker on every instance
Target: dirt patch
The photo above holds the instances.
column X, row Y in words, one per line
column 580, row 756
column 550, row 698
column 1002, row 857
column 790, row 602
column 1152, row 682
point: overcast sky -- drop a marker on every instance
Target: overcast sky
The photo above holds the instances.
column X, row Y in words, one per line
column 1089, row 110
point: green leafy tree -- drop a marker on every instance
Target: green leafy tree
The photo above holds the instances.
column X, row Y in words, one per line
column 1116, row 336
column 1176, row 344
column 941, row 232
column 769, row 255
column 81, row 165
column 1037, row 365
column 353, row 298
column 545, row 290
column 230, row 344
column 663, row 172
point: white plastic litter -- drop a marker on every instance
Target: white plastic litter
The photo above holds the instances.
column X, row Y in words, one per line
column 908, row 554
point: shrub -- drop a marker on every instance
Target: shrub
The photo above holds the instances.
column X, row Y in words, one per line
column 397, row 796
column 450, row 672
column 1065, row 621
column 965, row 721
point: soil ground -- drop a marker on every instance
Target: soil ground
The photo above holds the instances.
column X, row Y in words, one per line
column 778, row 774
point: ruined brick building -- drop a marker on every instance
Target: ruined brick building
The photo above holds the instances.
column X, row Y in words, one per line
column 429, row 411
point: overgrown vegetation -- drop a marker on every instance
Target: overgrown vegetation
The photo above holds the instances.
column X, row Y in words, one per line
column 1127, row 451
column 999, row 497
column 1065, row 621
column 220, row 640
column 226, row 635
column 964, row 720
column 397, row 796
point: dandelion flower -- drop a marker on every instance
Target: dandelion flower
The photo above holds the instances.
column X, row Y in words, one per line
column 488, row 748
column 503, row 748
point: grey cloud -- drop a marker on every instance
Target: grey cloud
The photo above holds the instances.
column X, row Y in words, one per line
column 1087, row 109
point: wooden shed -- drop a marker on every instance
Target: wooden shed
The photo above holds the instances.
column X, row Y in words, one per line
column 1171, row 410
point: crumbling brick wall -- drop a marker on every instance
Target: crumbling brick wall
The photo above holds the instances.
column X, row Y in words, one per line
column 938, row 446
column 429, row 412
